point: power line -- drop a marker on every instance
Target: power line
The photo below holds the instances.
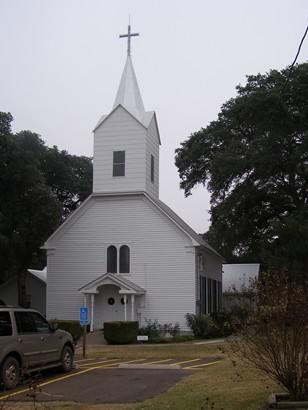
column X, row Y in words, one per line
column 295, row 59
column 289, row 75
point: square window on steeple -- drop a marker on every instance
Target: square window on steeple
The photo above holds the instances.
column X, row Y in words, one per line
column 118, row 163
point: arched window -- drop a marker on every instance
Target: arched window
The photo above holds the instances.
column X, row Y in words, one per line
column 112, row 259
column 124, row 259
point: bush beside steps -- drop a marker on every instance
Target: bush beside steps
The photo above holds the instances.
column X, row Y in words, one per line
column 121, row 332
column 71, row 326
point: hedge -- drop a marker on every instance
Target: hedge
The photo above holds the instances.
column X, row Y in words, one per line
column 71, row 326
column 120, row 332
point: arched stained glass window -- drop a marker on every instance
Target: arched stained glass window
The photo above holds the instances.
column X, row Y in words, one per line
column 112, row 259
column 124, row 259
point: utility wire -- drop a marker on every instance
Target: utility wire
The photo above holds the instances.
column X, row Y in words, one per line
column 289, row 75
column 295, row 59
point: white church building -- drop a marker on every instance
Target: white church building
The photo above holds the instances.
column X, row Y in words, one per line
column 123, row 253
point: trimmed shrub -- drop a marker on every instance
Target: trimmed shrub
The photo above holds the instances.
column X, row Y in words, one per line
column 120, row 332
column 71, row 326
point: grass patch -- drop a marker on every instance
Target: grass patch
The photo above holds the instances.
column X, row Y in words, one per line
column 228, row 387
column 220, row 385
column 156, row 351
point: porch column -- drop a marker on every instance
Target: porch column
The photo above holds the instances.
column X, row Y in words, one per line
column 125, row 310
column 92, row 313
column 132, row 301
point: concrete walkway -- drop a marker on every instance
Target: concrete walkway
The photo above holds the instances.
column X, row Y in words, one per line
column 93, row 338
column 97, row 338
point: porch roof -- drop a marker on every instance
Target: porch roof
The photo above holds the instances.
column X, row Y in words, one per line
column 125, row 285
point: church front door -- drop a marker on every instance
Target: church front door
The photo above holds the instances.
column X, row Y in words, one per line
column 109, row 304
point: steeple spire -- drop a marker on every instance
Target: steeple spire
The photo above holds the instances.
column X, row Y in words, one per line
column 128, row 35
column 128, row 94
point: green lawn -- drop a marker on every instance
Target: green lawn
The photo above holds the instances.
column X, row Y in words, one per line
column 229, row 387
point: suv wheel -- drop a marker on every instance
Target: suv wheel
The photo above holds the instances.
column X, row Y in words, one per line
column 9, row 372
column 67, row 359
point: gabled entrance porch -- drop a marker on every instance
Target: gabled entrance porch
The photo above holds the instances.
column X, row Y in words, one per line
column 111, row 297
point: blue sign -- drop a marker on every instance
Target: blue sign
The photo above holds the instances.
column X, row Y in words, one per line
column 84, row 316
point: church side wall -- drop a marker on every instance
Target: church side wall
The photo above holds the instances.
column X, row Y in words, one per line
column 212, row 267
column 210, row 274
column 162, row 262
column 37, row 291
column 110, row 137
column 152, row 148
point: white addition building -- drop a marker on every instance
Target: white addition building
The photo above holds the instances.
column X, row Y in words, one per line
column 124, row 253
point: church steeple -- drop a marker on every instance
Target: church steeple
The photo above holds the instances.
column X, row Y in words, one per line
column 128, row 94
column 126, row 141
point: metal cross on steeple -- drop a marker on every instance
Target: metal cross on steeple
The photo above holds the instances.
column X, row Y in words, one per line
column 128, row 35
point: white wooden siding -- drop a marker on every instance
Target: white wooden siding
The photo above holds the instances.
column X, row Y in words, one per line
column 119, row 132
column 160, row 260
column 152, row 148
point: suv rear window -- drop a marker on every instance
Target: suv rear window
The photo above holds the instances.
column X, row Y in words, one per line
column 5, row 324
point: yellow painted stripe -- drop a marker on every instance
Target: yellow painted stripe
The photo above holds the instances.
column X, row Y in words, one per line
column 158, row 361
column 107, row 367
column 94, row 363
column 188, row 361
column 199, row 366
column 115, row 364
column 132, row 361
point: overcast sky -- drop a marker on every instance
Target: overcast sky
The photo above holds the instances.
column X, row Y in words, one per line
column 62, row 60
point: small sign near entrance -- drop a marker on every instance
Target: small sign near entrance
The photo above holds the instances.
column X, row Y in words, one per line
column 84, row 316
column 142, row 338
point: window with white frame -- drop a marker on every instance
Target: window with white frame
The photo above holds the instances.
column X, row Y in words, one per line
column 118, row 164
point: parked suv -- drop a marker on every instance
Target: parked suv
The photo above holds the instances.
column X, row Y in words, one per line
column 28, row 342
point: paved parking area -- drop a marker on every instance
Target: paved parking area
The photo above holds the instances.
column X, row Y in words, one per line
column 171, row 363
column 109, row 380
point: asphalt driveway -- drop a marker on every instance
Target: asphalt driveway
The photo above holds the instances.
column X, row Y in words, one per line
column 100, row 385
column 107, row 381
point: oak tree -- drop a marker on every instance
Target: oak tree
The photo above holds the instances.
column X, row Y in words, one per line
column 39, row 188
column 254, row 161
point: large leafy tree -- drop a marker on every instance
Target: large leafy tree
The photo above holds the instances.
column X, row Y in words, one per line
column 37, row 192
column 69, row 177
column 254, row 161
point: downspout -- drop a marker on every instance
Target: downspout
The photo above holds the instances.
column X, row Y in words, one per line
column 197, row 287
